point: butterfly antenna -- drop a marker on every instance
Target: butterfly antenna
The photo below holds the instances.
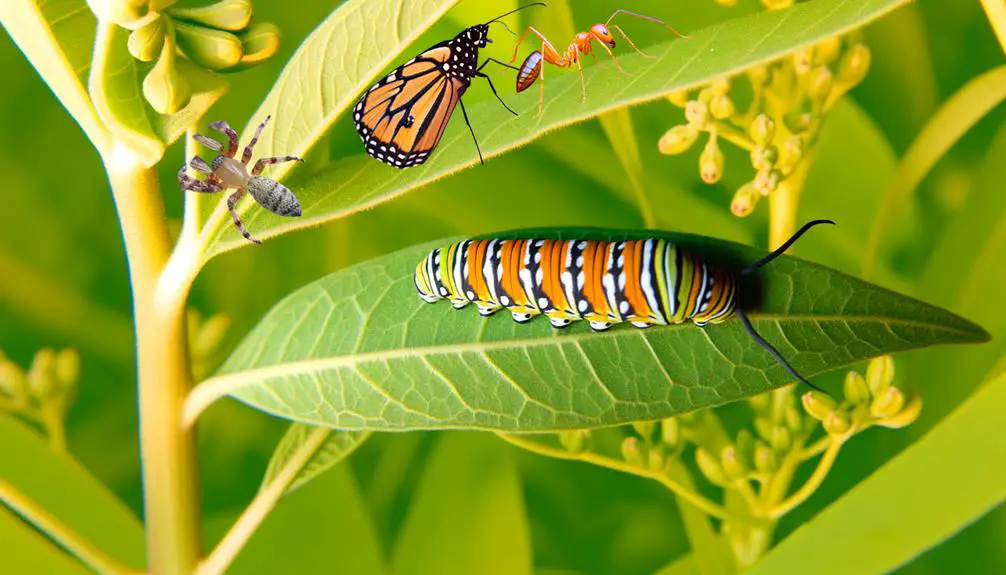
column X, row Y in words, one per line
column 505, row 26
column 779, row 251
column 773, row 351
column 516, row 10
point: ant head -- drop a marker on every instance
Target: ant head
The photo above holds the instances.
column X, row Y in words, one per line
column 601, row 32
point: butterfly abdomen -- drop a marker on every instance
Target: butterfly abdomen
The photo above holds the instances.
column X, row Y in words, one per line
column 644, row 282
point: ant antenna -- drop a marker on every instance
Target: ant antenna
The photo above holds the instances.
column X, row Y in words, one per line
column 747, row 322
column 515, row 10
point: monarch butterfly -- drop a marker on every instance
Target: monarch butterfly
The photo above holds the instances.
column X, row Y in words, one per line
column 402, row 117
column 645, row 282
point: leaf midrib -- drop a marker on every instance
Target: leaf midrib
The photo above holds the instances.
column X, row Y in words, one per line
column 218, row 386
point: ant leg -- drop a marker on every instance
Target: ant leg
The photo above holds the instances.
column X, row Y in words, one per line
column 644, row 17
column 613, row 59
column 541, row 87
column 583, row 83
column 263, row 162
column 231, row 200
column 187, row 182
column 258, row 132
column 626, row 36
column 232, row 136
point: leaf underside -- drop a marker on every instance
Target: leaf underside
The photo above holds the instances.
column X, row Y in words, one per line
column 359, row 350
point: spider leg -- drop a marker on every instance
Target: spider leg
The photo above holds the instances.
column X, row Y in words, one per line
column 231, row 201
column 263, row 162
column 208, row 142
column 258, row 132
column 198, row 164
column 626, row 36
column 187, row 182
column 232, row 136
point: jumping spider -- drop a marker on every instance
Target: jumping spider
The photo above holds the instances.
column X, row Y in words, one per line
column 227, row 172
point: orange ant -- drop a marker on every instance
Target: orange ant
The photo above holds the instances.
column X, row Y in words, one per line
column 531, row 69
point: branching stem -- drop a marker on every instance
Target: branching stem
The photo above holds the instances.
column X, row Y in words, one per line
column 705, row 505
column 170, row 473
column 73, row 542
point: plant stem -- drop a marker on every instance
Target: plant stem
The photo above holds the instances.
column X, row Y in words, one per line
column 170, row 473
column 73, row 542
column 259, row 508
column 812, row 483
column 688, row 495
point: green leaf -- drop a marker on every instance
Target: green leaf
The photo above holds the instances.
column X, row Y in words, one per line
column 468, row 513
column 312, row 451
column 359, row 350
column 57, row 37
column 326, row 75
column 360, row 182
column 65, row 489
column 890, row 518
column 324, row 527
column 26, row 550
column 115, row 90
column 962, row 111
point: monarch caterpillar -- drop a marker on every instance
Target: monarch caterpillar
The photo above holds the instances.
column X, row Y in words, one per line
column 402, row 117
column 644, row 282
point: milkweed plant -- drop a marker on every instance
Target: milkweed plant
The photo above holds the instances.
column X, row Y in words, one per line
column 151, row 79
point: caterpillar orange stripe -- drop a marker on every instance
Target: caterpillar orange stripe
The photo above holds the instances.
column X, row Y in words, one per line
column 644, row 282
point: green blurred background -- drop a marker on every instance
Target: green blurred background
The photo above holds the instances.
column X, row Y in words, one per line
column 63, row 282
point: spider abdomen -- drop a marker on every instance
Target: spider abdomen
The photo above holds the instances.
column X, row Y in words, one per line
column 273, row 196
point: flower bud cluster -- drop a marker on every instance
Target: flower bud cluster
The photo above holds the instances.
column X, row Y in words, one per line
column 220, row 37
column 42, row 393
column 782, row 122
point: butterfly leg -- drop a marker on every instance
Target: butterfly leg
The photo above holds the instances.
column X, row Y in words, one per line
column 231, row 201
column 232, row 136
column 482, row 74
column 472, row 130
column 251, row 145
column 263, row 162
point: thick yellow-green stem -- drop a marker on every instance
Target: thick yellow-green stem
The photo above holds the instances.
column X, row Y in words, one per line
column 170, row 478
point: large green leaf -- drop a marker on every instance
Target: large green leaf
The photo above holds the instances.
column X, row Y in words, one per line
column 467, row 515
column 65, row 489
column 57, row 37
column 359, row 182
column 939, row 485
column 359, row 350
column 323, row 528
